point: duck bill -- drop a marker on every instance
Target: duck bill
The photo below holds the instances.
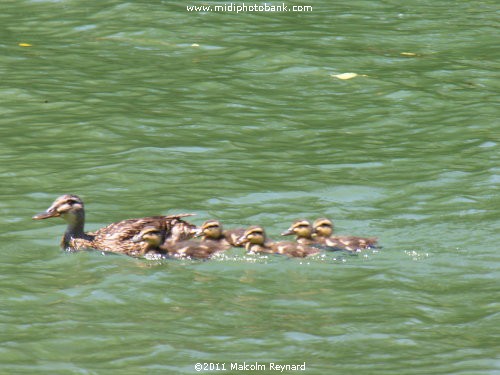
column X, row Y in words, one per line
column 198, row 232
column 137, row 238
column 288, row 232
column 47, row 214
column 241, row 241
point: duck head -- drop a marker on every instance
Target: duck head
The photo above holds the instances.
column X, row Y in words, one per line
column 153, row 236
column 300, row 228
column 323, row 227
column 254, row 235
column 67, row 206
column 210, row 229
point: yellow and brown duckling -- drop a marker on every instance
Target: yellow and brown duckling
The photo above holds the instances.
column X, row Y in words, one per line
column 304, row 234
column 154, row 240
column 212, row 230
column 303, row 231
column 151, row 240
column 323, row 234
column 255, row 241
column 116, row 237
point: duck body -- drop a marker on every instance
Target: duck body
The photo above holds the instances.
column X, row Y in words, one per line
column 255, row 241
column 213, row 231
column 116, row 237
column 194, row 250
column 350, row 243
column 294, row 250
column 323, row 234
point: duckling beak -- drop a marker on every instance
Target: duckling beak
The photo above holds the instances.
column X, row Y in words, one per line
column 137, row 238
column 288, row 232
column 45, row 215
column 241, row 241
column 198, row 232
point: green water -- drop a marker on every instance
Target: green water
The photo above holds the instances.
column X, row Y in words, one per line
column 144, row 108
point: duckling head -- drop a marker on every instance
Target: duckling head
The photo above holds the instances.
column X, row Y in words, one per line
column 68, row 206
column 323, row 227
column 210, row 229
column 153, row 236
column 300, row 228
column 255, row 235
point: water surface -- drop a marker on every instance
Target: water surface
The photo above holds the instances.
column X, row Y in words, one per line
column 143, row 108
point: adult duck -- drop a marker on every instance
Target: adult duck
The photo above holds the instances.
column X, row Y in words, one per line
column 116, row 237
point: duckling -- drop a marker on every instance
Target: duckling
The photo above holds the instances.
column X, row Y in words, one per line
column 153, row 237
column 255, row 241
column 180, row 230
column 304, row 234
column 212, row 230
column 116, row 237
column 303, row 231
column 323, row 230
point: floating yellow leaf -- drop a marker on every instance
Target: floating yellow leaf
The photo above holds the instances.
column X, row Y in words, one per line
column 25, row 45
column 408, row 54
column 345, row 75
column 195, row 45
